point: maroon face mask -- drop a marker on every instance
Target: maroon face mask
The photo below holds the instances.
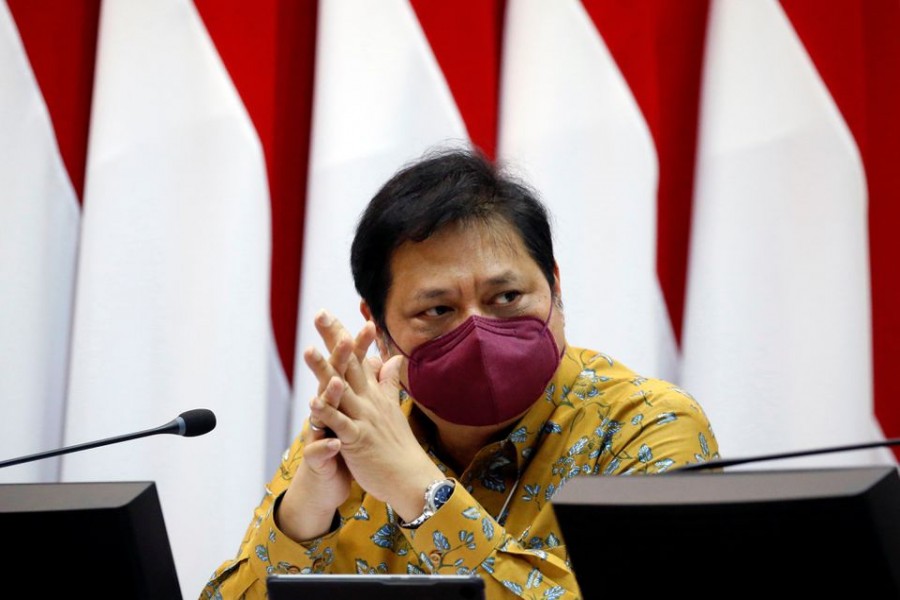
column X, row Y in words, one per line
column 486, row 371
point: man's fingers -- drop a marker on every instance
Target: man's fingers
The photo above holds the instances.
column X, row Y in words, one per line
column 330, row 329
column 355, row 371
column 389, row 374
column 364, row 340
column 335, row 408
column 320, row 367
column 333, row 331
column 341, row 354
column 313, row 431
column 374, row 363
column 341, row 346
column 320, row 456
column 324, row 369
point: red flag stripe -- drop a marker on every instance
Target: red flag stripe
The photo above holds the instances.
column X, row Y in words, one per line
column 61, row 41
column 471, row 67
column 856, row 50
column 658, row 46
column 269, row 53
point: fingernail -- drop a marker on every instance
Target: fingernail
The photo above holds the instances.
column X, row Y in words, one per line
column 325, row 318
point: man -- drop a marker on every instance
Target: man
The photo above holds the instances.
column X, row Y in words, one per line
column 442, row 454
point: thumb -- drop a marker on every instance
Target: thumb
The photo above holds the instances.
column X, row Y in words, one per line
column 374, row 362
column 389, row 376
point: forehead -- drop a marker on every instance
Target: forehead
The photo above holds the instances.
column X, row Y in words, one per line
column 475, row 250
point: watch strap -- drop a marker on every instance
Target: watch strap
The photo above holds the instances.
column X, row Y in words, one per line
column 431, row 505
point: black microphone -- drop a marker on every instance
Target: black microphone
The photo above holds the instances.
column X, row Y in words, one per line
column 190, row 423
column 721, row 463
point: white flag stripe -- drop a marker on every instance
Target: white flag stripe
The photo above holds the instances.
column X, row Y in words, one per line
column 172, row 311
column 39, row 214
column 777, row 330
column 570, row 126
column 172, row 291
column 380, row 101
column 278, row 406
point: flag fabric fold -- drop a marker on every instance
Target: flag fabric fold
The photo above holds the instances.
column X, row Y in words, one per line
column 171, row 307
column 40, row 219
column 177, row 208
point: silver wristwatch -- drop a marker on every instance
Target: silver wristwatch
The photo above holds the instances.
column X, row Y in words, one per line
column 436, row 495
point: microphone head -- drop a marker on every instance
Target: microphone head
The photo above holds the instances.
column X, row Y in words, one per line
column 197, row 422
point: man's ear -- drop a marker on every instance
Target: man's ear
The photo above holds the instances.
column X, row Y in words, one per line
column 557, row 288
column 380, row 337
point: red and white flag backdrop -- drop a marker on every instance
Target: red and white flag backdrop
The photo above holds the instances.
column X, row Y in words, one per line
column 179, row 182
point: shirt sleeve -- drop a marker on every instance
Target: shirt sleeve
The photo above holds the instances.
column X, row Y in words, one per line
column 614, row 421
column 656, row 427
column 265, row 549
column 239, row 578
column 461, row 538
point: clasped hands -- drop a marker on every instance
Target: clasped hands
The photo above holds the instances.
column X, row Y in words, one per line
column 358, row 400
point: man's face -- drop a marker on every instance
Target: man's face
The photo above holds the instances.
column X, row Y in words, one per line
column 460, row 271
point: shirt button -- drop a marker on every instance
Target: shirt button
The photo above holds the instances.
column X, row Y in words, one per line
column 435, row 557
column 317, row 564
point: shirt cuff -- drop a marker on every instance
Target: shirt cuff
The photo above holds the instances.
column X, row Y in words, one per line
column 458, row 537
column 272, row 551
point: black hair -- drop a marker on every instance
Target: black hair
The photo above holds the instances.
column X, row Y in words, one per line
column 444, row 187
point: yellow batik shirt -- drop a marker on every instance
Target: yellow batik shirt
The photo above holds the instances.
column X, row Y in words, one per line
column 597, row 417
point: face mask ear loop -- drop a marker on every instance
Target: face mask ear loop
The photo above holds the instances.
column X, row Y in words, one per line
column 399, row 349
column 393, row 343
column 549, row 314
column 562, row 350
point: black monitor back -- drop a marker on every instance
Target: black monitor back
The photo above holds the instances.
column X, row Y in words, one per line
column 813, row 533
column 98, row 540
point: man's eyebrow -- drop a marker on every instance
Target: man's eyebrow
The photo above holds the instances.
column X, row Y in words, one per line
column 504, row 278
column 431, row 293
column 501, row 279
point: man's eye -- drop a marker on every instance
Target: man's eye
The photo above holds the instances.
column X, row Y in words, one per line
column 508, row 297
column 436, row 311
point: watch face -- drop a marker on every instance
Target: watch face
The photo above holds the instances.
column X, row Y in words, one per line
column 441, row 494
